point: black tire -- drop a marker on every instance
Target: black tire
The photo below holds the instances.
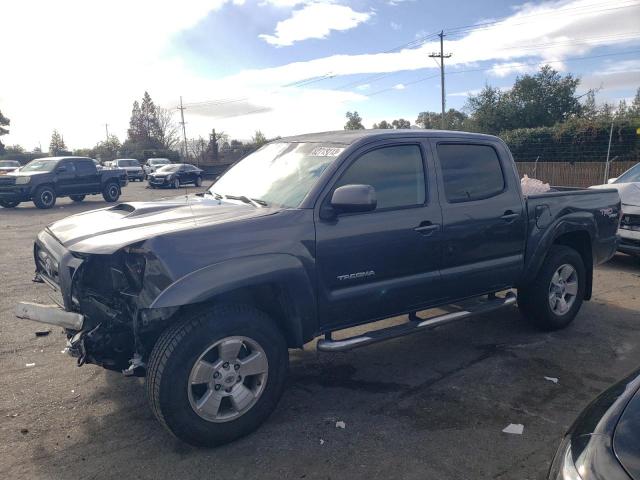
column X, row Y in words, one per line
column 111, row 192
column 534, row 301
column 9, row 203
column 175, row 354
column 44, row 197
column 77, row 198
column 198, row 181
column 175, row 184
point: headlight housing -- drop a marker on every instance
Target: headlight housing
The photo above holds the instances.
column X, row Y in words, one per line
column 22, row 180
column 563, row 466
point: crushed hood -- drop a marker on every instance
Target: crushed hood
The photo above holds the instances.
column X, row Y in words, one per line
column 629, row 192
column 106, row 230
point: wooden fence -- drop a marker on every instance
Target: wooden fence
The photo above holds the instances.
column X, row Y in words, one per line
column 580, row 174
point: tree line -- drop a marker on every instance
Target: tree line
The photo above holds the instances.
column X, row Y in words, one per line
column 540, row 117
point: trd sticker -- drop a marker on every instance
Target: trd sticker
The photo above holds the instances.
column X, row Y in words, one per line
column 609, row 212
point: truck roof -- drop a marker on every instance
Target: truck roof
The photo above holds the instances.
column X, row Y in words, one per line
column 348, row 137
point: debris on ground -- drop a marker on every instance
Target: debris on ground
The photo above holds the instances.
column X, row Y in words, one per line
column 29, row 364
column 24, row 431
column 321, row 442
column 514, row 428
column 42, row 333
column 12, row 415
column 341, row 424
column 551, row 379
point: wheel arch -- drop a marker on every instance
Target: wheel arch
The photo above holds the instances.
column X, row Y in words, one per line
column 276, row 284
column 576, row 232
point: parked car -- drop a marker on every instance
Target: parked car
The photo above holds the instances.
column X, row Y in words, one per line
column 309, row 235
column 7, row 166
column 97, row 164
column 153, row 164
column 175, row 175
column 131, row 166
column 628, row 186
column 604, row 442
column 46, row 179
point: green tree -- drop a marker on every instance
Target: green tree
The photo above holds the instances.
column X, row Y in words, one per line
column 634, row 108
column 589, row 107
column 354, row 121
column 145, row 134
column 107, row 150
column 56, row 145
column 401, row 123
column 258, row 139
column 539, row 100
column 454, row 120
column 383, row 125
column 4, row 122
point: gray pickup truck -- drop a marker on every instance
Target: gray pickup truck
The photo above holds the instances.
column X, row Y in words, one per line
column 309, row 235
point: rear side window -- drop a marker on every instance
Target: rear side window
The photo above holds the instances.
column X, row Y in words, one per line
column 396, row 173
column 85, row 166
column 470, row 172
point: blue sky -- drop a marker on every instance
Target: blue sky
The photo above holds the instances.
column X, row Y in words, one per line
column 290, row 66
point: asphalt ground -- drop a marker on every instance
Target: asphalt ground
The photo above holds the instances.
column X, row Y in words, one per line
column 428, row 406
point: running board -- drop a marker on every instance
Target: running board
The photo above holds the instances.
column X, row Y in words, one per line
column 375, row 336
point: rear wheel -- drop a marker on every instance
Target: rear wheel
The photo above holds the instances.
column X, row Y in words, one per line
column 9, row 203
column 198, row 181
column 111, row 192
column 44, row 197
column 217, row 375
column 77, row 198
column 555, row 296
column 176, row 183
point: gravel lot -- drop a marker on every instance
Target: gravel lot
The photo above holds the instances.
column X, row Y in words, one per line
column 431, row 405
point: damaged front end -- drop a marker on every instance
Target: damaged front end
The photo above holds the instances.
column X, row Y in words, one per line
column 101, row 302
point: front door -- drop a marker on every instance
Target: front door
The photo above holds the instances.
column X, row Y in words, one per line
column 484, row 220
column 65, row 177
column 379, row 263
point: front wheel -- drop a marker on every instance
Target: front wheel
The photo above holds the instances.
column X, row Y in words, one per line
column 553, row 299
column 9, row 203
column 111, row 192
column 77, row 198
column 44, row 197
column 217, row 375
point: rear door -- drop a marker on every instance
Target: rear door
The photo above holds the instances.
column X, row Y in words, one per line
column 375, row 264
column 483, row 217
column 88, row 179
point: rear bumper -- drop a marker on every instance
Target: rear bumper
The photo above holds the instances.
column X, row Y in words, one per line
column 629, row 241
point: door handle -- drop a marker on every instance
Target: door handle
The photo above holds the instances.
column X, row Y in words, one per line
column 510, row 215
column 427, row 228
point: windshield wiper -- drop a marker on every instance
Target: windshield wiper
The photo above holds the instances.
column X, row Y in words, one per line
column 245, row 199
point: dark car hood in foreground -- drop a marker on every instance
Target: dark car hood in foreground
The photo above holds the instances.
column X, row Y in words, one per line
column 106, row 230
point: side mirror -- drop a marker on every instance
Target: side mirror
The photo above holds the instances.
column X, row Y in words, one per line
column 61, row 169
column 354, row 198
column 611, row 180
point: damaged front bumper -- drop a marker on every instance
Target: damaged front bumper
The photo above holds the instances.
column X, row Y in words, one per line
column 50, row 314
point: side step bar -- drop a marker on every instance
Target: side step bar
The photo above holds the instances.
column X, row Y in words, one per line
column 493, row 303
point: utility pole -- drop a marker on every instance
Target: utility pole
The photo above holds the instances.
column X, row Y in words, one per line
column 608, row 164
column 106, row 129
column 441, row 56
column 184, row 131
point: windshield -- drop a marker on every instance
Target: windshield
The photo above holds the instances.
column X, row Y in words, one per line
column 158, row 161
column 40, row 166
column 631, row 175
column 279, row 174
column 169, row 168
column 9, row 163
column 128, row 163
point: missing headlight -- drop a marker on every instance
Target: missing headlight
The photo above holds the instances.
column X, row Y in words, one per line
column 134, row 266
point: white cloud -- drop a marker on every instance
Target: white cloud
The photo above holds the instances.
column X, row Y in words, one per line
column 365, row 86
column 315, row 20
column 399, row 86
column 504, row 69
column 395, row 26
